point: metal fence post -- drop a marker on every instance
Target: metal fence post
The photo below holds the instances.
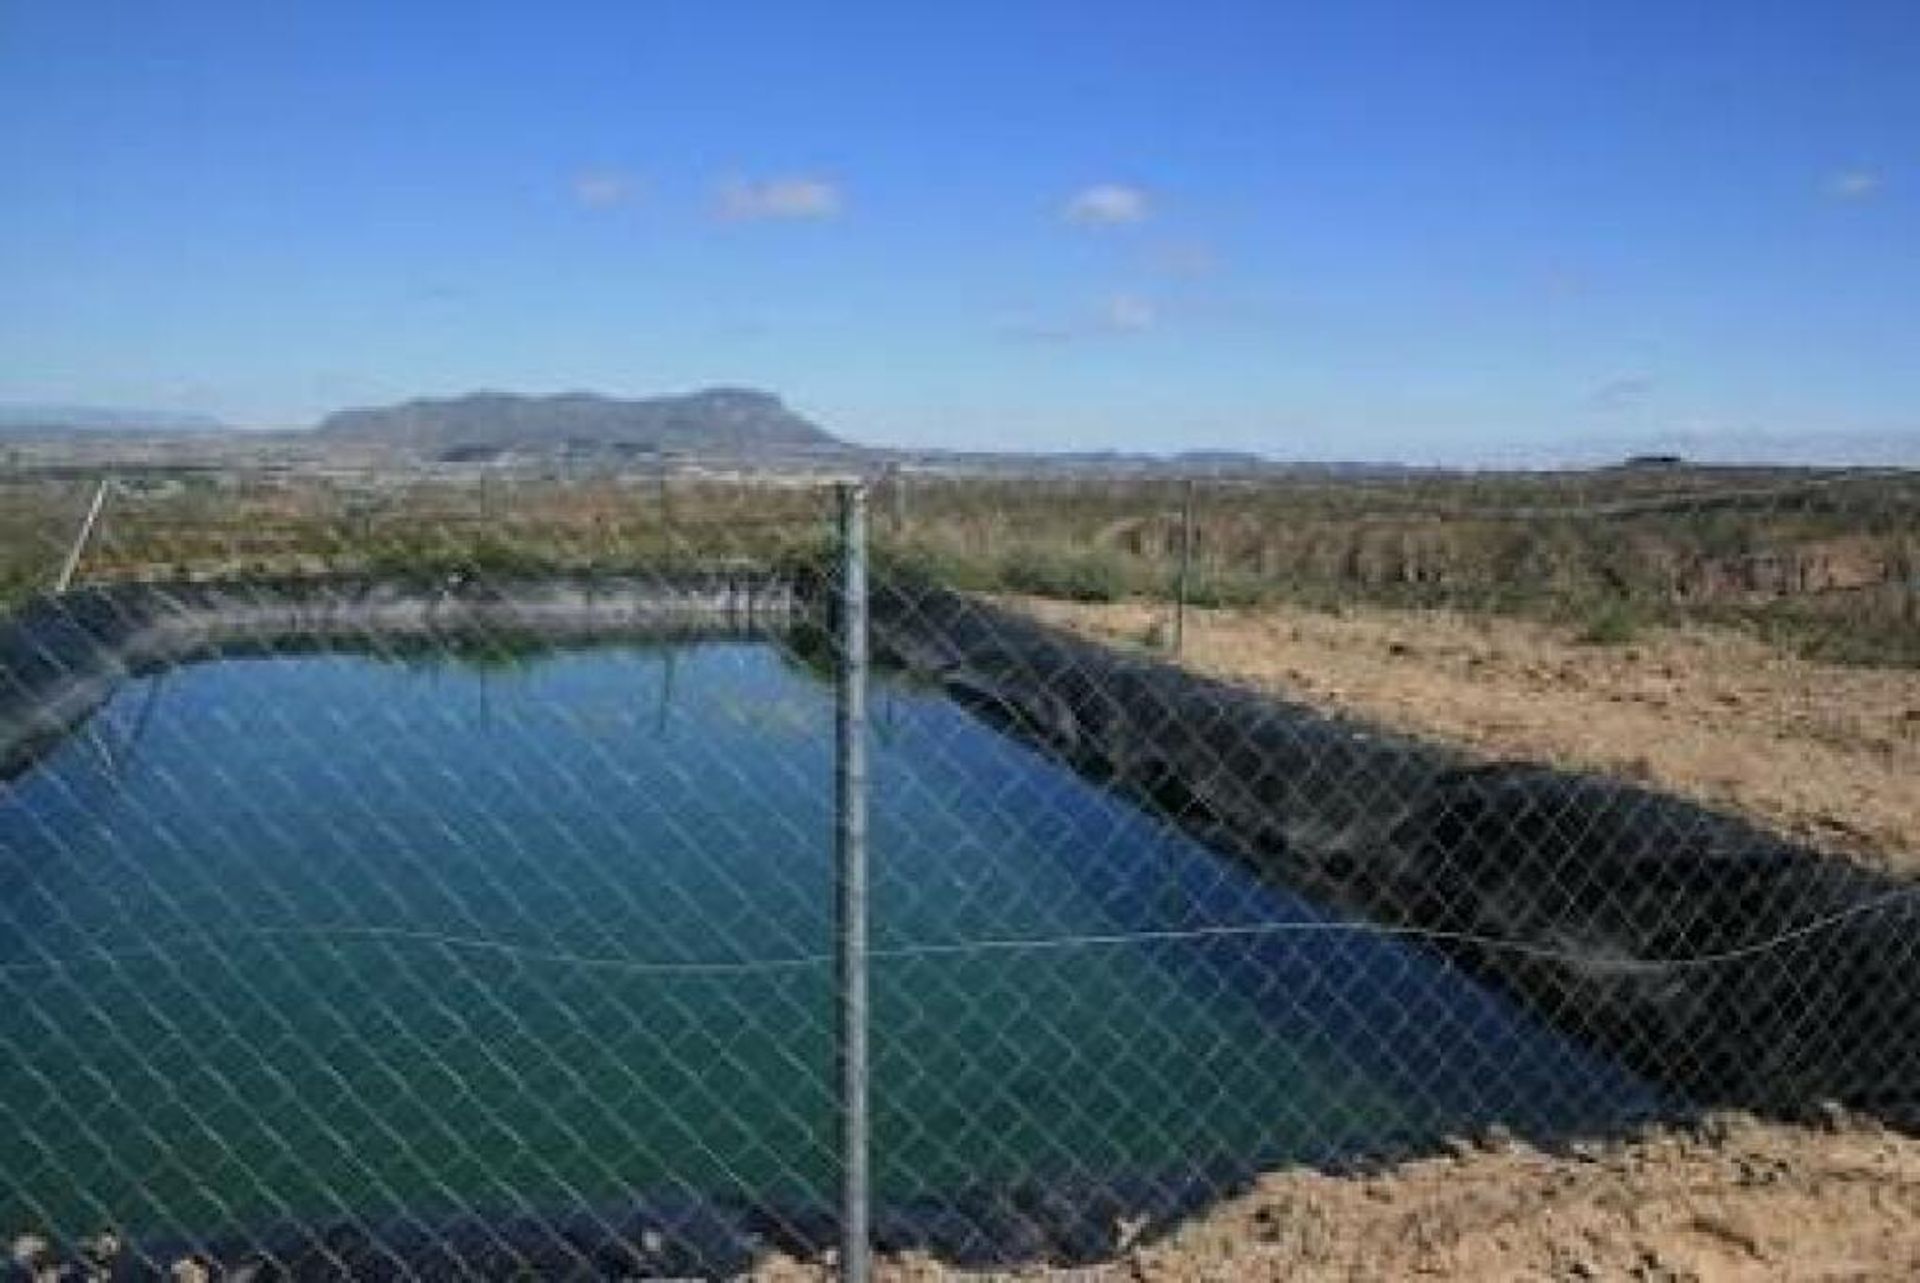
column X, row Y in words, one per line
column 1186, row 568
column 664, row 489
column 850, row 843
column 79, row 548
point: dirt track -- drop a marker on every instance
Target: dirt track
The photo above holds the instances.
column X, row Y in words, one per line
column 1826, row 753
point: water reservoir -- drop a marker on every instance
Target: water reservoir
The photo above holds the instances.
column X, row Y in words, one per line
column 385, row 940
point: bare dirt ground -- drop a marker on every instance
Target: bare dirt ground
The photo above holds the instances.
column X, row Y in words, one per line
column 1825, row 753
column 1732, row 1201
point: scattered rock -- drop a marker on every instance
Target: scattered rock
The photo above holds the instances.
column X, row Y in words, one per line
column 29, row 1251
column 1496, row 1138
column 190, row 1269
column 102, row 1249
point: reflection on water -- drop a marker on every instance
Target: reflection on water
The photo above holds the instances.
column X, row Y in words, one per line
column 327, row 935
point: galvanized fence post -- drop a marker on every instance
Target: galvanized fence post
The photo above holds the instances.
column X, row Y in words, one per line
column 663, row 488
column 1181, row 587
column 850, row 843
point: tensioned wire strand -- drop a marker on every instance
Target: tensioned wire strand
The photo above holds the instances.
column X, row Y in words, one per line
column 349, row 932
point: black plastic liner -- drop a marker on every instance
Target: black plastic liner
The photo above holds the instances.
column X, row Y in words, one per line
column 1732, row 966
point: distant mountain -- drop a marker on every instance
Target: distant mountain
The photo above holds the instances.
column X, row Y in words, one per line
column 736, row 422
column 20, row 418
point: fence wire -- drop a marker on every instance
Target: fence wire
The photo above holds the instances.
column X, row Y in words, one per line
column 442, row 875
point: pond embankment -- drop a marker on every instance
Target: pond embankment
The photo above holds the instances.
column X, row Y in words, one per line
column 60, row 658
column 1735, row 966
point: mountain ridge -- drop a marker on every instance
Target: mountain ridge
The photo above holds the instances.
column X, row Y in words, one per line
column 725, row 420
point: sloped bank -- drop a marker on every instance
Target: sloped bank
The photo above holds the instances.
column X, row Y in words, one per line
column 1737, row 968
column 60, row 658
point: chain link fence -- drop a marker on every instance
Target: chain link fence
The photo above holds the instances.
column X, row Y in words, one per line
column 492, row 874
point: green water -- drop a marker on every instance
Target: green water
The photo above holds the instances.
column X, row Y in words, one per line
column 328, row 936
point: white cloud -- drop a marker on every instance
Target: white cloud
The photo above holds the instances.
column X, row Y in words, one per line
column 790, row 197
column 1128, row 314
column 1855, row 184
column 604, row 188
column 1108, row 205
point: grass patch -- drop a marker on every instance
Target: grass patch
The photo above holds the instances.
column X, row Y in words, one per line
column 1614, row 624
column 1072, row 576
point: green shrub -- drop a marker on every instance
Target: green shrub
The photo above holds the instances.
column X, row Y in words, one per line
column 1613, row 624
column 1075, row 576
column 1222, row 591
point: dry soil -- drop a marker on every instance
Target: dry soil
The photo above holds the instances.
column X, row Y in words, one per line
column 1731, row 1200
column 1826, row 753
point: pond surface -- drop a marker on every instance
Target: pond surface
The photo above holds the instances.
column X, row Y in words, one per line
column 335, row 936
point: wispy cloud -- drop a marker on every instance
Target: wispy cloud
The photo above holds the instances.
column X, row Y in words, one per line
column 604, row 188
column 1626, row 393
column 799, row 196
column 1108, row 205
column 1855, row 184
column 1128, row 314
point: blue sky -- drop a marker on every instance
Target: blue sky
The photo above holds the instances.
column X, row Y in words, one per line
column 1420, row 231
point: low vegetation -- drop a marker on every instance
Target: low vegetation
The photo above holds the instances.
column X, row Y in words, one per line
column 1826, row 564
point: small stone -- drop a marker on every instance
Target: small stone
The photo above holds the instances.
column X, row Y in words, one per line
column 1716, row 1128
column 190, row 1269
column 1496, row 1138
column 1831, row 1116
column 28, row 1250
column 102, row 1248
